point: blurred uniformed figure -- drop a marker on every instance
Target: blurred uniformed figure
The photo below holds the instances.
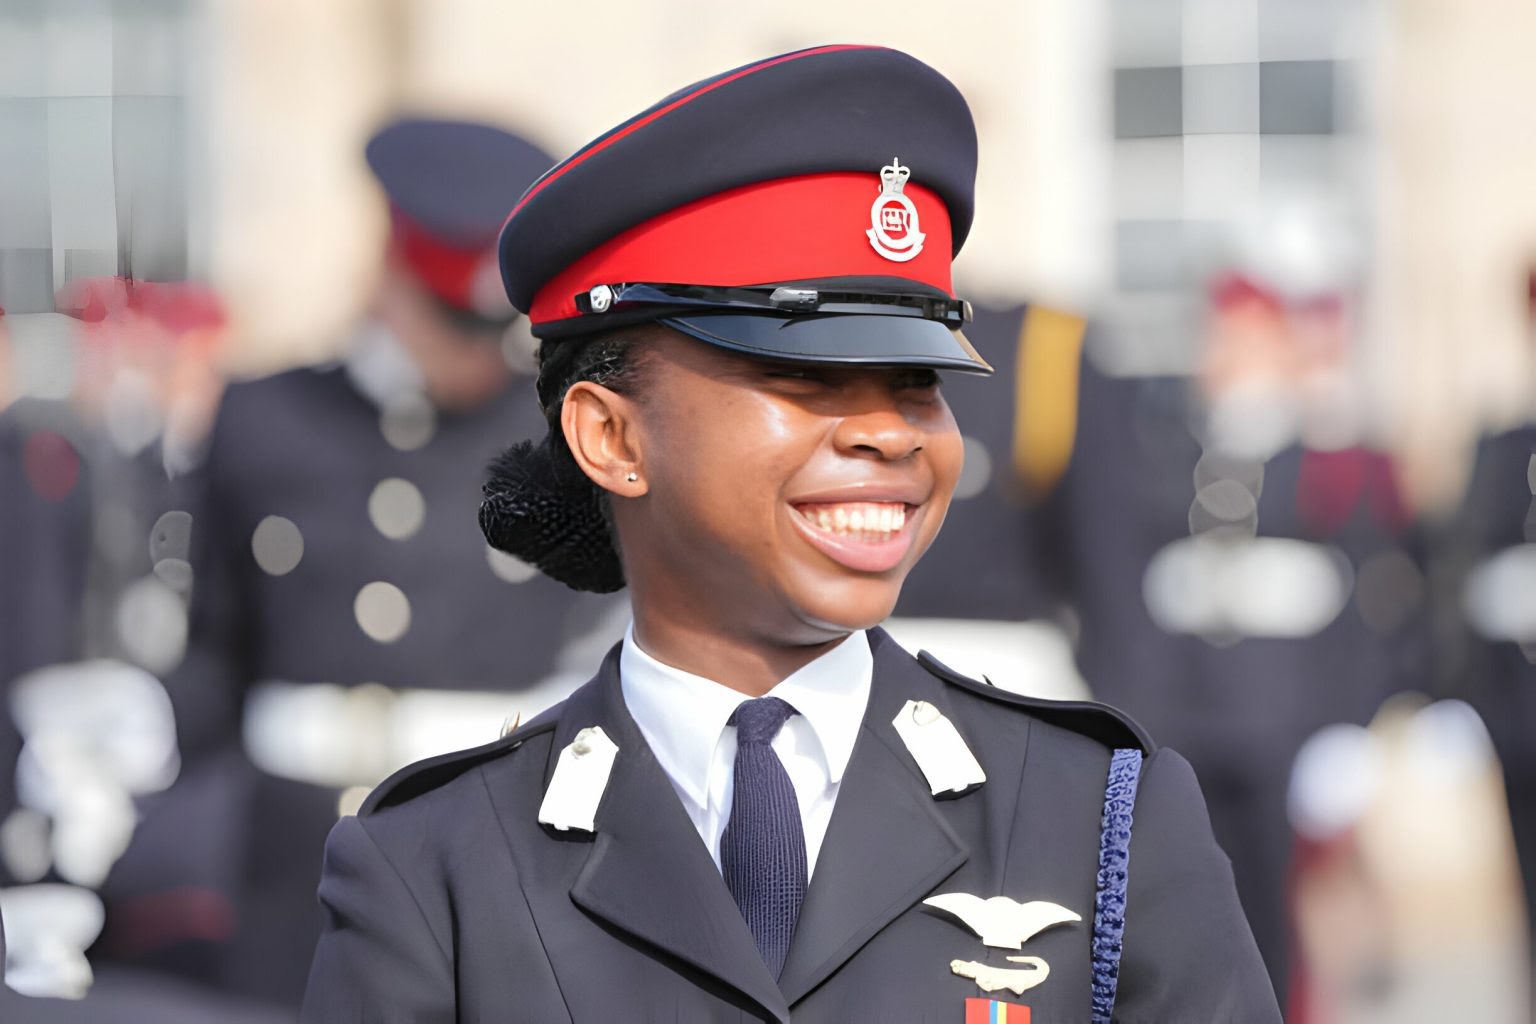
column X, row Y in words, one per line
column 89, row 604
column 44, row 522
column 345, row 617
column 1405, row 888
column 1235, row 594
column 743, row 295
column 81, row 472
column 1484, row 564
column 1085, row 493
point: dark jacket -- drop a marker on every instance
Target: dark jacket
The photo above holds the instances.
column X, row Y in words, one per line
column 306, row 445
column 446, row 900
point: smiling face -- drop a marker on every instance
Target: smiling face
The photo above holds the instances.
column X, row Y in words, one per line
column 779, row 505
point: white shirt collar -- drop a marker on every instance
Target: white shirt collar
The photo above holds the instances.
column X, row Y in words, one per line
column 683, row 716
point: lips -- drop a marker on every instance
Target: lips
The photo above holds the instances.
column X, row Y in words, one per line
column 865, row 536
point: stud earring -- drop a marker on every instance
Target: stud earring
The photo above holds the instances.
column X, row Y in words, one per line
column 632, row 477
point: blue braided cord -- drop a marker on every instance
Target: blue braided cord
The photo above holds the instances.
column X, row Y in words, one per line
column 1114, row 862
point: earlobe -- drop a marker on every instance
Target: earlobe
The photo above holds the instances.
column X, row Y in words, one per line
column 604, row 438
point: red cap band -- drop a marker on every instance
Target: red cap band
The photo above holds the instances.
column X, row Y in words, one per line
column 448, row 271
column 791, row 229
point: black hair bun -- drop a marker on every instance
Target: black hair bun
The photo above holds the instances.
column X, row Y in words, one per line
column 538, row 506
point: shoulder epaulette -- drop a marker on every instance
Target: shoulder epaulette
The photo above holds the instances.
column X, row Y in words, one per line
column 431, row 773
column 1110, row 726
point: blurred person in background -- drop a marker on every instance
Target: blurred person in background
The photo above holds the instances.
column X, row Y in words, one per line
column 1089, row 500
column 146, row 385
column 88, row 574
column 1236, row 570
column 1484, row 571
column 44, row 519
column 1221, row 551
column 90, row 609
column 1404, row 880
column 343, row 620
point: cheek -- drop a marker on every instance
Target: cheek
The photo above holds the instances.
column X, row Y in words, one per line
column 723, row 457
column 952, row 460
column 946, row 452
column 735, row 434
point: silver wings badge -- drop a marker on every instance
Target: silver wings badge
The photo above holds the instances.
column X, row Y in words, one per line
column 1001, row 922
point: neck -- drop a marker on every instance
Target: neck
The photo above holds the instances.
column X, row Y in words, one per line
column 750, row 667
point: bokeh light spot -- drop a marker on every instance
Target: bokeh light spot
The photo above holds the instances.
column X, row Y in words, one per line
column 278, row 545
column 1224, row 503
column 1215, row 465
column 152, row 624
column 382, row 611
column 1497, row 599
column 409, row 425
column 396, row 508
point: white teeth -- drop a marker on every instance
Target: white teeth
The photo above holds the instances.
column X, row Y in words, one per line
column 867, row 521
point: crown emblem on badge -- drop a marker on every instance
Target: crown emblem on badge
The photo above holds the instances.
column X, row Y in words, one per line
column 893, row 228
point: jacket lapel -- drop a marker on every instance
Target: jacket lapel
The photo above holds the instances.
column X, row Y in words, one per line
column 887, row 845
column 648, row 874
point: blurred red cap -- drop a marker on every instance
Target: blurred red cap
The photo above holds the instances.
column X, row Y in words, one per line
column 180, row 307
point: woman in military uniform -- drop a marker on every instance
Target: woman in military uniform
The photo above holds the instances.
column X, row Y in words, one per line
column 761, row 808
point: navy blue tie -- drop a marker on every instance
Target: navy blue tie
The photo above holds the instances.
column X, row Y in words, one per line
column 762, row 851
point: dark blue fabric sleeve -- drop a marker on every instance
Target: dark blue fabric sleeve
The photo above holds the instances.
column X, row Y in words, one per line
column 1188, row 953
column 378, row 960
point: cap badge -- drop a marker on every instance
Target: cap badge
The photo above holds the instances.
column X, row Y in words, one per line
column 893, row 229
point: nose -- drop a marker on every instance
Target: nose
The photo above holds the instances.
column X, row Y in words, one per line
column 876, row 424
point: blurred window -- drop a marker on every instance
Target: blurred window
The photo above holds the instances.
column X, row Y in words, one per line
column 94, row 153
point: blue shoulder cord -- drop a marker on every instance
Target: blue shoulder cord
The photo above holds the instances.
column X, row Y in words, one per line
column 1114, row 861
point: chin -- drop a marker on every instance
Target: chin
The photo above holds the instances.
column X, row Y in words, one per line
column 852, row 605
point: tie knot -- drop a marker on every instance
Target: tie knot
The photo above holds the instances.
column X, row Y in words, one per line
column 759, row 720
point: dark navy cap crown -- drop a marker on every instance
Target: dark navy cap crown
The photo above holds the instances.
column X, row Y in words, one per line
column 457, row 180
column 451, row 185
column 772, row 174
